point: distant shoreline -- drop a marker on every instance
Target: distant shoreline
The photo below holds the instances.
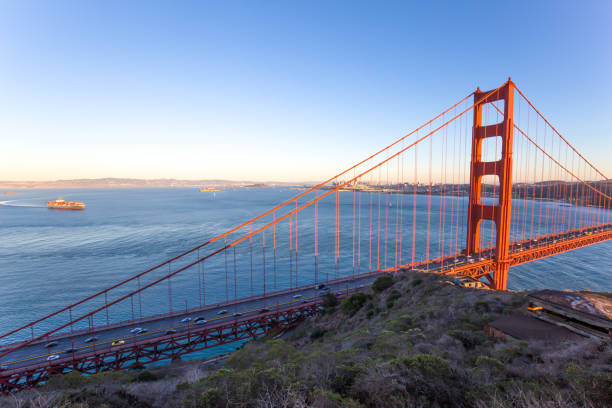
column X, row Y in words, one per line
column 140, row 183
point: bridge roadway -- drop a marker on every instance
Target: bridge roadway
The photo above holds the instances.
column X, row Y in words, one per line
column 69, row 347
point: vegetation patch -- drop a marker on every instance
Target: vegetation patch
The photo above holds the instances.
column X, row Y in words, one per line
column 393, row 296
column 352, row 304
column 317, row 333
column 417, row 343
column 145, row 376
column 382, row 283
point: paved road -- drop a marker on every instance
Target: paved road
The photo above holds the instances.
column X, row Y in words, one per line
column 67, row 344
column 102, row 339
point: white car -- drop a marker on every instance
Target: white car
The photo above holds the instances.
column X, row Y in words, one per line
column 136, row 330
column 185, row 320
column 222, row 312
column 297, row 296
column 52, row 357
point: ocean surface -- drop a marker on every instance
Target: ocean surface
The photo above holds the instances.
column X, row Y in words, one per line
column 49, row 258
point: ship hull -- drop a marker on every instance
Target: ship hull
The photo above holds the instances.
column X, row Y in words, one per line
column 60, row 204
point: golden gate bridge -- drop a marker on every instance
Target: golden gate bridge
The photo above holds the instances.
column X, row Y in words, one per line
column 487, row 184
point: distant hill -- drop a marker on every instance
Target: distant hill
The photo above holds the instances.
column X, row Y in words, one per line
column 130, row 182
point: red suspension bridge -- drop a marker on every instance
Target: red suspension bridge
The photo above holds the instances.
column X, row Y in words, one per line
column 486, row 185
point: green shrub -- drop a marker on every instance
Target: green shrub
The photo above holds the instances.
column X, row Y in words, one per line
column 344, row 378
column 428, row 364
column 401, row 323
column 329, row 300
column 507, row 354
column 145, row 376
column 482, row 306
column 70, row 380
column 318, row 332
column 329, row 399
column 393, row 296
column 353, row 303
column 432, row 382
column 469, row 339
column 484, row 361
column 382, row 282
column 183, row 386
column 596, row 387
column 210, row 398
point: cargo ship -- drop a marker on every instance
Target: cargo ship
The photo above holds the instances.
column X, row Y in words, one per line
column 60, row 204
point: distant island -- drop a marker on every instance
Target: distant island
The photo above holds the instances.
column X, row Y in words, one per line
column 130, row 182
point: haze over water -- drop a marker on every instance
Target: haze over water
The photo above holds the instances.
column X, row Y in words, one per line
column 49, row 259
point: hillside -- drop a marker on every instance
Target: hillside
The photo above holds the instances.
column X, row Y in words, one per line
column 417, row 343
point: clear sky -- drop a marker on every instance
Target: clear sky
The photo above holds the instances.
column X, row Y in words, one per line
column 287, row 90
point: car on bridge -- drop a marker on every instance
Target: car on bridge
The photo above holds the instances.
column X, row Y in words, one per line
column 118, row 343
column 53, row 357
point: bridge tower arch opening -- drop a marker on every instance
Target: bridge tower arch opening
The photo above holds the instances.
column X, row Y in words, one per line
column 478, row 210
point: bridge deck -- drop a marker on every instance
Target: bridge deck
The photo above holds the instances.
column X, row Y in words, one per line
column 171, row 335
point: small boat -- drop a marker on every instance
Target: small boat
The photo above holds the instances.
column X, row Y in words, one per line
column 60, row 204
column 209, row 190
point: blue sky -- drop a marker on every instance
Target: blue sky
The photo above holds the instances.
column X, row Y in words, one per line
column 278, row 90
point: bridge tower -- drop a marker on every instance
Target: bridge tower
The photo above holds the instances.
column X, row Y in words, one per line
column 500, row 213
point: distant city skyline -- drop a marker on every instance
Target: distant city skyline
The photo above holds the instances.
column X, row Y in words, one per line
column 277, row 91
